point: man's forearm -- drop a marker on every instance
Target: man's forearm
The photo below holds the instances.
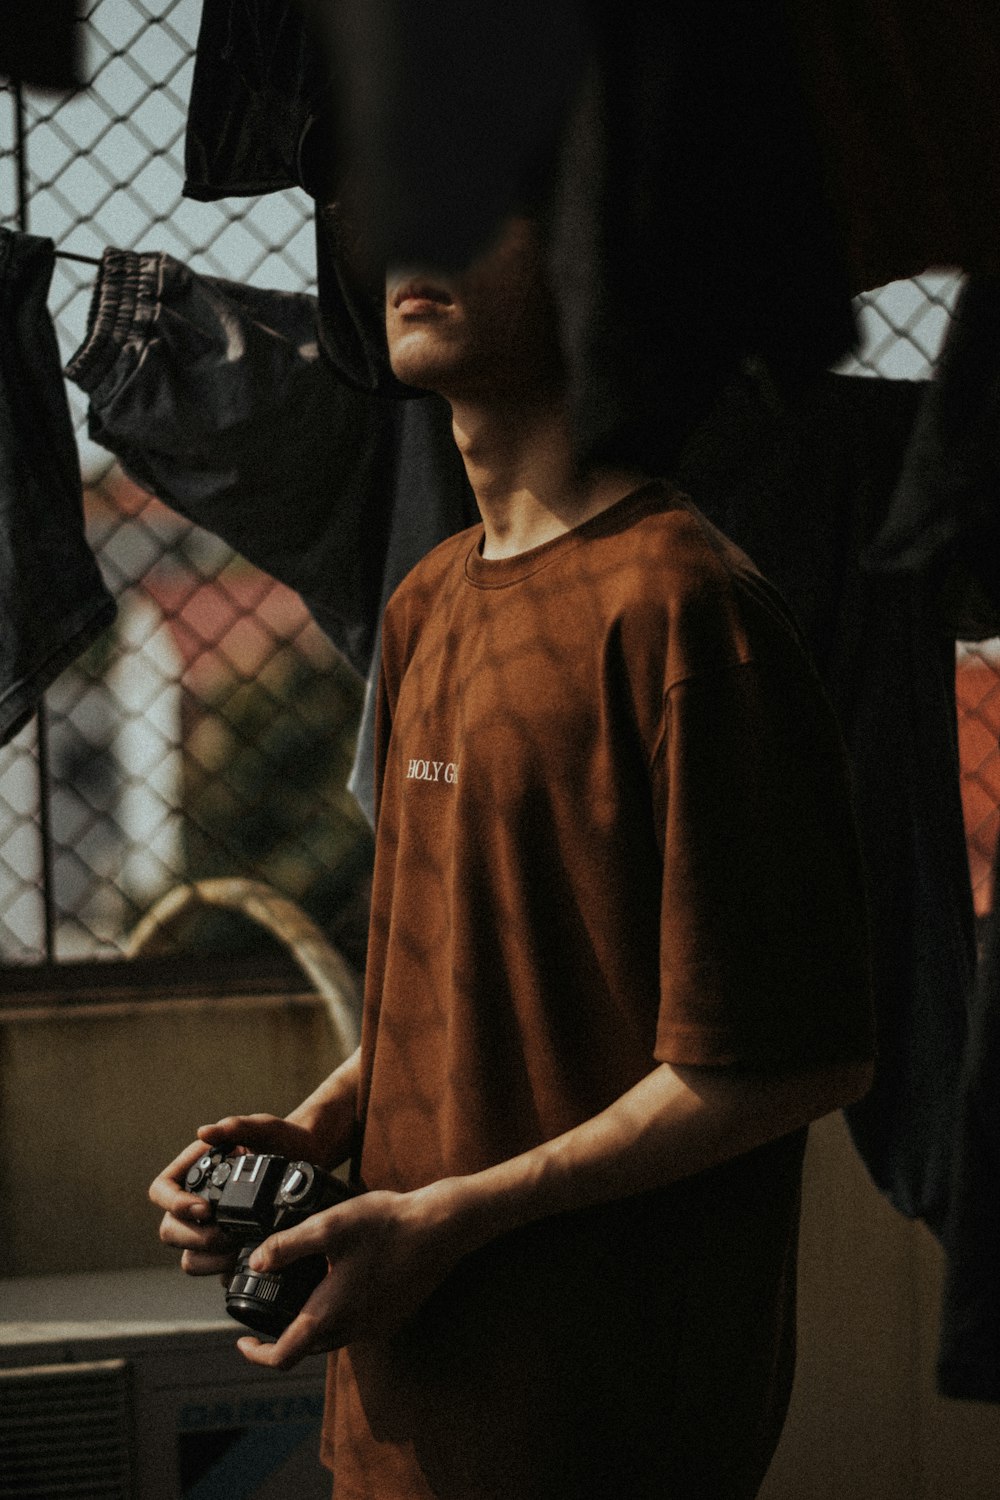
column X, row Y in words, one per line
column 390, row 1250
column 674, row 1123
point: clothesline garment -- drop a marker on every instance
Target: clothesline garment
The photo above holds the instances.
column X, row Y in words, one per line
column 689, row 225
column 216, row 398
column 54, row 602
column 725, row 174
column 803, row 490
column 969, row 1353
column 943, row 522
column 943, row 525
column 40, row 44
column 907, row 111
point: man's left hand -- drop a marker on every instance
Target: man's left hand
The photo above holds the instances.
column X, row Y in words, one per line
column 387, row 1253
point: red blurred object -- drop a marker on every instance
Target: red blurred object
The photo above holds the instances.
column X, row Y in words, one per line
column 978, row 696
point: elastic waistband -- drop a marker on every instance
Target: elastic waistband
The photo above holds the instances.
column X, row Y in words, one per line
column 122, row 307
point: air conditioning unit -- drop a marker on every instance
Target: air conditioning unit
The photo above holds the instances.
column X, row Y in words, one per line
column 126, row 1385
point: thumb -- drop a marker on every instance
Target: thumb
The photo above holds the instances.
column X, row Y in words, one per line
column 314, row 1236
column 278, row 1250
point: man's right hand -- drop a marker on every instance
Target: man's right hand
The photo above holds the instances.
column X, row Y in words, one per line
column 186, row 1222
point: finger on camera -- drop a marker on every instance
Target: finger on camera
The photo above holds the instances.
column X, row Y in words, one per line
column 166, row 1191
column 289, row 1245
column 258, row 1132
column 202, row 1263
column 180, row 1235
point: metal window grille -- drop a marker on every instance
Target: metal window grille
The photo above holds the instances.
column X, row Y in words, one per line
column 154, row 757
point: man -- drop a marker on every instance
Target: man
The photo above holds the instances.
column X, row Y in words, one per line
column 617, row 964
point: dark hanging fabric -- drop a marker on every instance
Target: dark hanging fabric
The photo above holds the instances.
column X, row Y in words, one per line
column 351, row 309
column 907, row 108
column 216, row 397
column 944, row 519
column 53, row 601
column 690, row 228
column 261, row 113
column 685, row 200
column 945, row 523
column 803, row 489
column 40, row 43
column 686, row 207
column 898, row 97
column 969, row 1353
column 451, row 112
column 724, row 174
column 432, row 499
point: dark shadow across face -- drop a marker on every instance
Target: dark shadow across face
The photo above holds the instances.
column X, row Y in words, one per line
column 488, row 334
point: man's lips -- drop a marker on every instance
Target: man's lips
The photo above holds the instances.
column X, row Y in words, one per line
column 414, row 297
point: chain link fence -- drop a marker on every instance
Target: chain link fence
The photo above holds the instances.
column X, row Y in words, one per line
column 210, row 732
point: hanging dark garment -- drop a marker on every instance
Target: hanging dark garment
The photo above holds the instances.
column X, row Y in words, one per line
column 54, row 602
column 40, row 43
column 944, row 519
column 723, row 175
column 907, row 108
column 432, row 499
column 690, row 228
column 216, row 398
column 969, row 1354
column 452, row 113
column 262, row 116
column 803, row 490
column 688, row 220
column 261, row 109
column 351, row 310
column 944, row 525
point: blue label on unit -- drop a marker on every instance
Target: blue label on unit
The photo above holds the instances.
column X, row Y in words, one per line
column 251, row 1411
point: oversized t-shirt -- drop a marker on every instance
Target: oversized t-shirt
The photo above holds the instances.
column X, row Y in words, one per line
column 613, row 830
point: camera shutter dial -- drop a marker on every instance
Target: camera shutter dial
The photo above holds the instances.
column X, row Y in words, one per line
column 201, row 1172
column 297, row 1184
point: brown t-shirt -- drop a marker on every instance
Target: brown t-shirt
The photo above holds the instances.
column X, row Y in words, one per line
column 613, row 830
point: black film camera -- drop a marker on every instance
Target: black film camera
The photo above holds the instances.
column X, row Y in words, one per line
column 251, row 1197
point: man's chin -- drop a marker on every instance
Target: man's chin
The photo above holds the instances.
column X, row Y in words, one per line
column 426, row 373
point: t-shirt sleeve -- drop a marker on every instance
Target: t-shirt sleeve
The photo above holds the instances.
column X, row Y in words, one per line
column 764, row 934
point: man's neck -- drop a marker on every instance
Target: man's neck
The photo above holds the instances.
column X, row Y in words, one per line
column 528, row 489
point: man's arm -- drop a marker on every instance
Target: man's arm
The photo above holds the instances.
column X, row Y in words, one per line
column 321, row 1129
column 389, row 1251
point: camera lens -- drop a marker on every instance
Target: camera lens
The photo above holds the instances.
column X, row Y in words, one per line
column 267, row 1303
